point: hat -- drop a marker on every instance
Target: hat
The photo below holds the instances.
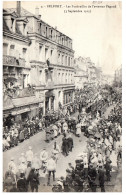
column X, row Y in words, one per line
column 12, row 158
column 23, row 161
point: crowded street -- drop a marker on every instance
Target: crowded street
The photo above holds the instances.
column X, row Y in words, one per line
column 62, row 96
column 40, row 142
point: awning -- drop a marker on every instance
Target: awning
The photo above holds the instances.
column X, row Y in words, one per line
column 20, row 111
column 10, row 79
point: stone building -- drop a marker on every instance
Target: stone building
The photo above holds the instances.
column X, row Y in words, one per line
column 86, row 73
column 38, row 68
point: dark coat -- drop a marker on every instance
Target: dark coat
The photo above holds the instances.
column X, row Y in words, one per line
column 22, row 185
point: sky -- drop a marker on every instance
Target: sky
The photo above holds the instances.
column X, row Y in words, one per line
column 97, row 35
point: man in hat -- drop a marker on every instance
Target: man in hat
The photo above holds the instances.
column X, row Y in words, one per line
column 33, row 179
column 92, row 177
column 65, row 145
column 108, row 168
column 85, row 160
column 12, row 166
column 56, row 151
column 21, row 183
column 22, row 167
column 29, row 156
column 70, row 142
column 101, row 175
column 43, row 158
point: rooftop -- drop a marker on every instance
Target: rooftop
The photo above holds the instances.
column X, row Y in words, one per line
column 25, row 13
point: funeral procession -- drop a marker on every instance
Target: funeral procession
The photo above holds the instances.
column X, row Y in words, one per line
column 62, row 99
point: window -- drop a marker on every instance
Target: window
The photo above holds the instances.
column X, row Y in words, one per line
column 11, row 52
column 40, row 76
column 51, row 52
column 62, row 58
column 46, row 51
column 40, row 28
column 24, row 29
column 66, row 60
column 59, row 93
column 40, row 49
column 5, row 47
column 51, row 36
column 46, row 31
column 12, row 46
column 12, row 24
column 24, row 51
column 66, row 78
column 62, row 77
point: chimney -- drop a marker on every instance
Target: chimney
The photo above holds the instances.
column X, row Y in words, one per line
column 19, row 8
column 37, row 11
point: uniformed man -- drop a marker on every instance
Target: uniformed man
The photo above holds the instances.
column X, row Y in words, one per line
column 29, row 156
column 43, row 158
column 22, row 159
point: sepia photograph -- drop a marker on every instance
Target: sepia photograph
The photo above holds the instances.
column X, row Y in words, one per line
column 62, row 96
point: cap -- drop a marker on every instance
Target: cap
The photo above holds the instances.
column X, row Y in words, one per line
column 12, row 158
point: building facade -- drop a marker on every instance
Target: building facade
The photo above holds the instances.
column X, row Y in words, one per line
column 86, row 73
column 38, row 70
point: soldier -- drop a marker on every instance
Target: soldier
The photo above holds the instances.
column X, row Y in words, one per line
column 56, row 151
column 43, row 158
column 101, row 178
column 65, row 145
column 12, row 167
column 70, row 143
column 29, row 156
column 36, row 164
column 51, row 167
column 22, row 159
column 108, row 168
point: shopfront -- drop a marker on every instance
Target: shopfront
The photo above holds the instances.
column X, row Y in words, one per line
column 49, row 101
column 68, row 96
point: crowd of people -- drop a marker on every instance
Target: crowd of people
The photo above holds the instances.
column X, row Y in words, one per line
column 103, row 152
column 93, row 166
column 16, row 132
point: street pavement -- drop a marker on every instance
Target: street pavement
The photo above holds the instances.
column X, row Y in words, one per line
column 38, row 142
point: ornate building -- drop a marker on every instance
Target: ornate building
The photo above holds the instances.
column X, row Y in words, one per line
column 38, row 68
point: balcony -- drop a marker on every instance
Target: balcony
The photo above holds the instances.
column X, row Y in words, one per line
column 26, row 92
column 9, row 60
column 5, row 70
column 12, row 61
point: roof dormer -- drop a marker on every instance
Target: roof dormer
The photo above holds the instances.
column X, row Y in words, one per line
column 22, row 25
column 10, row 20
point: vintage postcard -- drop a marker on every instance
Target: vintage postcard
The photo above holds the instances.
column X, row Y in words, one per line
column 62, row 96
